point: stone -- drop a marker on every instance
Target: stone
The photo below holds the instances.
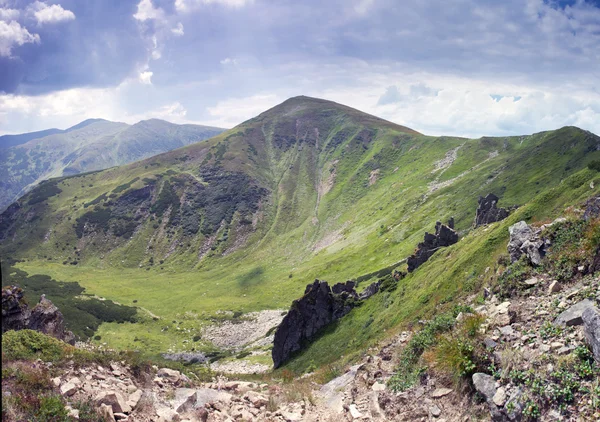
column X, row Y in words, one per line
column 56, row 381
column 113, row 399
column 573, row 315
column 487, row 211
column 489, row 343
column 515, row 403
column 435, row 410
column 378, row 387
column 74, row 413
column 532, row 281
column 507, row 331
column 485, row 385
column 444, row 236
column 524, row 240
column 134, row 398
column 185, row 399
column 257, row 399
column 290, row 416
column 441, row 392
column 166, row 414
column 592, row 208
column 106, row 412
column 120, row 416
column 44, row 317
column 318, row 307
column 370, row 290
column 170, row 375
column 354, row 412
column 332, row 391
column 591, row 330
column 554, row 287
column 499, row 397
column 68, row 389
column 208, row 395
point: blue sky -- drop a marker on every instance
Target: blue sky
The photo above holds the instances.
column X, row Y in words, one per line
column 454, row 67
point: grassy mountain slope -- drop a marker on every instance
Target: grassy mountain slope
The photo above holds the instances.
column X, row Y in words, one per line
column 91, row 145
column 309, row 189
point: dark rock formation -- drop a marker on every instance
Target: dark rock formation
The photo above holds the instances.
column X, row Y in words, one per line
column 319, row 307
column 370, row 290
column 44, row 317
column 444, row 236
column 488, row 212
column 524, row 240
column 592, row 208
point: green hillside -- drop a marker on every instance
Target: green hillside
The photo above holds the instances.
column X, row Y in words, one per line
column 308, row 189
column 93, row 144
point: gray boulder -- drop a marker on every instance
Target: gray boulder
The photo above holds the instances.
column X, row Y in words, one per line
column 573, row 315
column 485, row 385
column 524, row 240
column 591, row 329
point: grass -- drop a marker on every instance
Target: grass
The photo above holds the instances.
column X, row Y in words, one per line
column 353, row 230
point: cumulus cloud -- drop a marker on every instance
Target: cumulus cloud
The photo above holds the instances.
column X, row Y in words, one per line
column 188, row 5
column 229, row 61
column 45, row 13
column 178, row 30
column 13, row 34
column 232, row 111
column 9, row 14
column 147, row 11
column 146, row 77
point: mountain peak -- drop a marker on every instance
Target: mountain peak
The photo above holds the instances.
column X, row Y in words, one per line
column 306, row 106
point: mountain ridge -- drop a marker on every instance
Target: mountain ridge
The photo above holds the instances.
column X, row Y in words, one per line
column 89, row 145
column 306, row 190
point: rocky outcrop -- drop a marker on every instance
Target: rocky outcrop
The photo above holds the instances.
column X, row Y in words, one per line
column 320, row 306
column 592, row 208
column 525, row 240
column 44, row 317
column 444, row 236
column 591, row 330
column 488, row 212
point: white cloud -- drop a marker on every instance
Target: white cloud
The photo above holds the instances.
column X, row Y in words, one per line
column 147, row 11
column 229, row 61
column 146, row 77
column 230, row 112
column 189, row 5
column 178, row 30
column 13, row 34
column 45, row 13
column 9, row 14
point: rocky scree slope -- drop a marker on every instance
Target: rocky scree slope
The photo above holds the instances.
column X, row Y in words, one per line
column 94, row 144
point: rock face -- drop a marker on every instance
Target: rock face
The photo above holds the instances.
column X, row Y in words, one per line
column 444, row 236
column 592, row 208
column 319, row 306
column 524, row 240
column 44, row 317
column 487, row 211
column 591, row 329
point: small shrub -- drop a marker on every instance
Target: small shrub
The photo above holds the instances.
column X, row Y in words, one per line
column 594, row 165
column 52, row 409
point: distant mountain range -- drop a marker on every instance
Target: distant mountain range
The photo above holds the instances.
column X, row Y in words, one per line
column 93, row 144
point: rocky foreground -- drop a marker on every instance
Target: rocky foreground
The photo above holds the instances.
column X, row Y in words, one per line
column 527, row 337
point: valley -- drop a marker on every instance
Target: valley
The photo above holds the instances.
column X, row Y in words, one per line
column 243, row 222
